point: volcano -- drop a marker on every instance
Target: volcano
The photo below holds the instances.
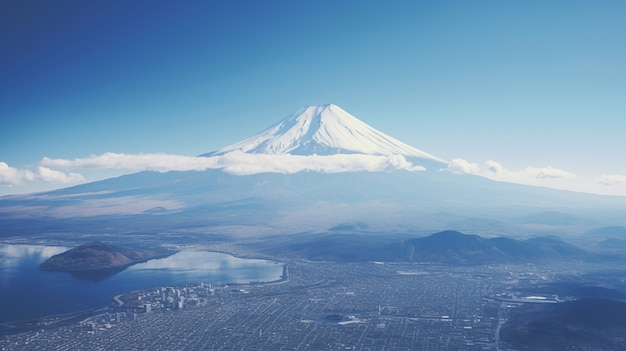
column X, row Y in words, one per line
column 324, row 130
column 323, row 139
column 317, row 169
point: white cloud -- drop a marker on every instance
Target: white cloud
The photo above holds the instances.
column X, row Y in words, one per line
column 238, row 162
column 244, row 164
column 611, row 180
column 459, row 165
column 13, row 176
column 140, row 162
column 494, row 167
column 58, row 177
column 543, row 176
column 61, row 171
column 496, row 171
column 548, row 173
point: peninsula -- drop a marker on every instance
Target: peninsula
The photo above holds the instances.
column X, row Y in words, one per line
column 96, row 261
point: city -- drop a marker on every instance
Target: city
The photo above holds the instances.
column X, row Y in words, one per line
column 321, row 305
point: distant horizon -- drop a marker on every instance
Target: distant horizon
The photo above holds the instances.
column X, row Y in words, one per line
column 528, row 93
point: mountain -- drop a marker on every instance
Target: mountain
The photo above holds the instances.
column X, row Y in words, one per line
column 314, row 171
column 585, row 324
column 453, row 247
column 96, row 261
column 447, row 247
column 324, row 130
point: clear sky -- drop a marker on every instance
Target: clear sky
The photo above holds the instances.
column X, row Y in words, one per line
column 528, row 91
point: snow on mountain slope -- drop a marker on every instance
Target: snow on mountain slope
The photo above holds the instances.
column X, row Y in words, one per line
column 323, row 130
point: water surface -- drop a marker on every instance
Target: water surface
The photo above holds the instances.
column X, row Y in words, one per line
column 27, row 293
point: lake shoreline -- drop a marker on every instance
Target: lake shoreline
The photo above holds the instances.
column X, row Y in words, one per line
column 30, row 294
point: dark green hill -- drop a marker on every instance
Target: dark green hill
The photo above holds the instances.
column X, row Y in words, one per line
column 458, row 248
column 586, row 324
column 96, row 260
column 448, row 247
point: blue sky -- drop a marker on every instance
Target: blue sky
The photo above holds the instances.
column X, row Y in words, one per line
column 507, row 89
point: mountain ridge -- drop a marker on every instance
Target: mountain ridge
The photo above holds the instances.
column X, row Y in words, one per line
column 447, row 247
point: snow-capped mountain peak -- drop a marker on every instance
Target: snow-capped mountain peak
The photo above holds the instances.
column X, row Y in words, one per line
column 323, row 130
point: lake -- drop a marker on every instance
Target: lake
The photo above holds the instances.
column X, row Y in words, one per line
column 28, row 293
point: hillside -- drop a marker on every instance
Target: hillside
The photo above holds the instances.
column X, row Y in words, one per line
column 586, row 324
column 98, row 260
column 448, row 247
